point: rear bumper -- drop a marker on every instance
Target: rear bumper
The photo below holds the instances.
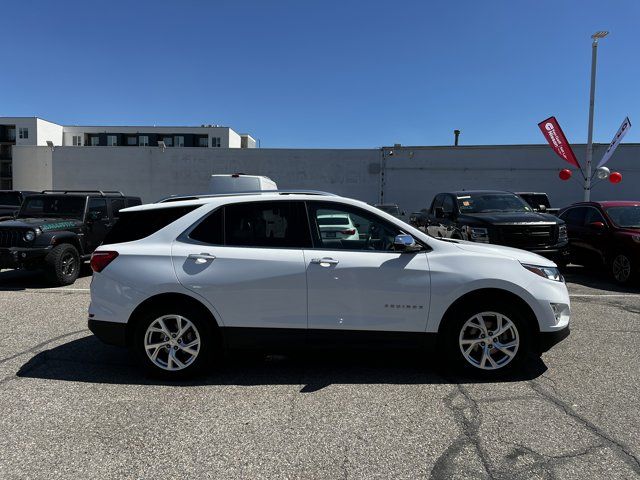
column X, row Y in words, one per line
column 112, row 333
column 546, row 340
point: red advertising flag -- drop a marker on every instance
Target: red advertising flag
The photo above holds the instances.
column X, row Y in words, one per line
column 555, row 136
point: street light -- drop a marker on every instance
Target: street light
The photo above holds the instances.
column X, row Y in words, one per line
column 594, row 54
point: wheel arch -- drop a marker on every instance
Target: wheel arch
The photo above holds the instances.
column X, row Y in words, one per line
column 168, row 299
column 491, row 294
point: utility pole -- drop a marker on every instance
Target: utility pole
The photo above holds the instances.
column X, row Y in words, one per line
column 592, row 94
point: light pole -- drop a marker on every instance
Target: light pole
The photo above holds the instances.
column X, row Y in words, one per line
column 594, row 55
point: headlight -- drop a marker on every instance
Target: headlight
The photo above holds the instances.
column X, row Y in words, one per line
column 29, row 236
column 562, row 232
column 477, row 234
column 551, row 273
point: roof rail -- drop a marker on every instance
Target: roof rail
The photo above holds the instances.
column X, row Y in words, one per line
column 177, row 198
column 101, row 192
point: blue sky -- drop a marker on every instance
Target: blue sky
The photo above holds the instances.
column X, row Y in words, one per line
column 324, row 73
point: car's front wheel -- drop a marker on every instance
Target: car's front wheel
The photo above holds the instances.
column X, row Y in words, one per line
column 63, row 264
column 175, row 343
column 488, row 339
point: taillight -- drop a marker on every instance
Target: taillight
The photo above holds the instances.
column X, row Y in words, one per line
column 99, row 260
column 348, row 232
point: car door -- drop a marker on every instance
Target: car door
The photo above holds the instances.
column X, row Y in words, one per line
column 448, row 221
column 435, row 228
column 595, row 237
column 574, row 218
column 364, row 285
column 246, row 259
column 97, row 222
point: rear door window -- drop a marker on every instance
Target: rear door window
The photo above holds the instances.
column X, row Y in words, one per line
column 211, row 229
column 117, row 204
column 139, row 224
column 266, row 224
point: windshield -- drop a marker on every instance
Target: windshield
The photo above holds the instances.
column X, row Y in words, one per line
column 625, row 217
column 58, row 206
column 491, row 202
column 10, row 198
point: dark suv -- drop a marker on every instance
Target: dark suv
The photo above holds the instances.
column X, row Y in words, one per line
column 488, row 216
column 57, row 230
column 10, row 201
column 605, row 233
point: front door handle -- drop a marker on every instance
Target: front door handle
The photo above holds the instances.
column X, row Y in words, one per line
column 201, row 258
column 325, row 261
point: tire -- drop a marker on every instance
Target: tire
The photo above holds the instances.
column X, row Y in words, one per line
column 621, row 268
column 178, row 356
column 459, row 333
column 62, row 265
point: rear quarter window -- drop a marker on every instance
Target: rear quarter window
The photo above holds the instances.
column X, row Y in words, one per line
column 132, row 226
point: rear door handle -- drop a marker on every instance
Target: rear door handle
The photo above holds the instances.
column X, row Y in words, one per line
column 201, row 258
column 325, row 261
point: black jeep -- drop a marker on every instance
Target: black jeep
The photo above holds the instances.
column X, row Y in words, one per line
column 502, row 218
column 58, row 230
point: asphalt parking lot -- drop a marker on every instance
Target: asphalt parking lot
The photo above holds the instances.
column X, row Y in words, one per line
column 73, row 407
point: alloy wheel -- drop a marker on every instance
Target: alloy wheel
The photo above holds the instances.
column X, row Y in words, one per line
column 69, row 264
column 172, row 342
column 621, row 268
column 489, row 340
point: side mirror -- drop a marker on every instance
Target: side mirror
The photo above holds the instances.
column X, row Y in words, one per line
column 405, row 243
column 597, row 225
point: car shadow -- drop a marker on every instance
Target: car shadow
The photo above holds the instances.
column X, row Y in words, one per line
column 89, row 360
column 597, row 278
column 34, row 279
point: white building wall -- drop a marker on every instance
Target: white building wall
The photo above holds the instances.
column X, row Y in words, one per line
column 32, row 168
column 233, row 140
column 48, row 131
column 412, row 176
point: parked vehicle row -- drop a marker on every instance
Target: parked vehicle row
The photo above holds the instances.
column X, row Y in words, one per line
column 56, row 231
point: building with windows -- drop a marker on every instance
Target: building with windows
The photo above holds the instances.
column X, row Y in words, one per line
column 35, row 131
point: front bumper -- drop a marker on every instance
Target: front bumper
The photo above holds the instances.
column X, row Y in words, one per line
column 17, row 257
column 546, row 340
column 557, row 253
column 112, row 333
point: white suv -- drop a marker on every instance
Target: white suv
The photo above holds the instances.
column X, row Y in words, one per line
column 179, row 282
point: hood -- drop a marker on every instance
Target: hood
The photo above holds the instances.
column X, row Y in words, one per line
column 511, row 218
column 45, row 224
column 515, row 253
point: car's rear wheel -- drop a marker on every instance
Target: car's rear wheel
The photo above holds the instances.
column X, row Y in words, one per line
column 622, row 268
column 174, row 342
column 63, row 264
column 488, row 339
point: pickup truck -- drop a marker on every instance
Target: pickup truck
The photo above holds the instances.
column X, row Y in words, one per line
column 488, row 216
column 539, row 201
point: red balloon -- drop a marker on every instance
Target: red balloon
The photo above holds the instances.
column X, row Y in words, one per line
column 615, row 177
column 565, row 174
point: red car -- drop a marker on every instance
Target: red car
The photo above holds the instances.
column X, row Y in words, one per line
column 605, row 233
